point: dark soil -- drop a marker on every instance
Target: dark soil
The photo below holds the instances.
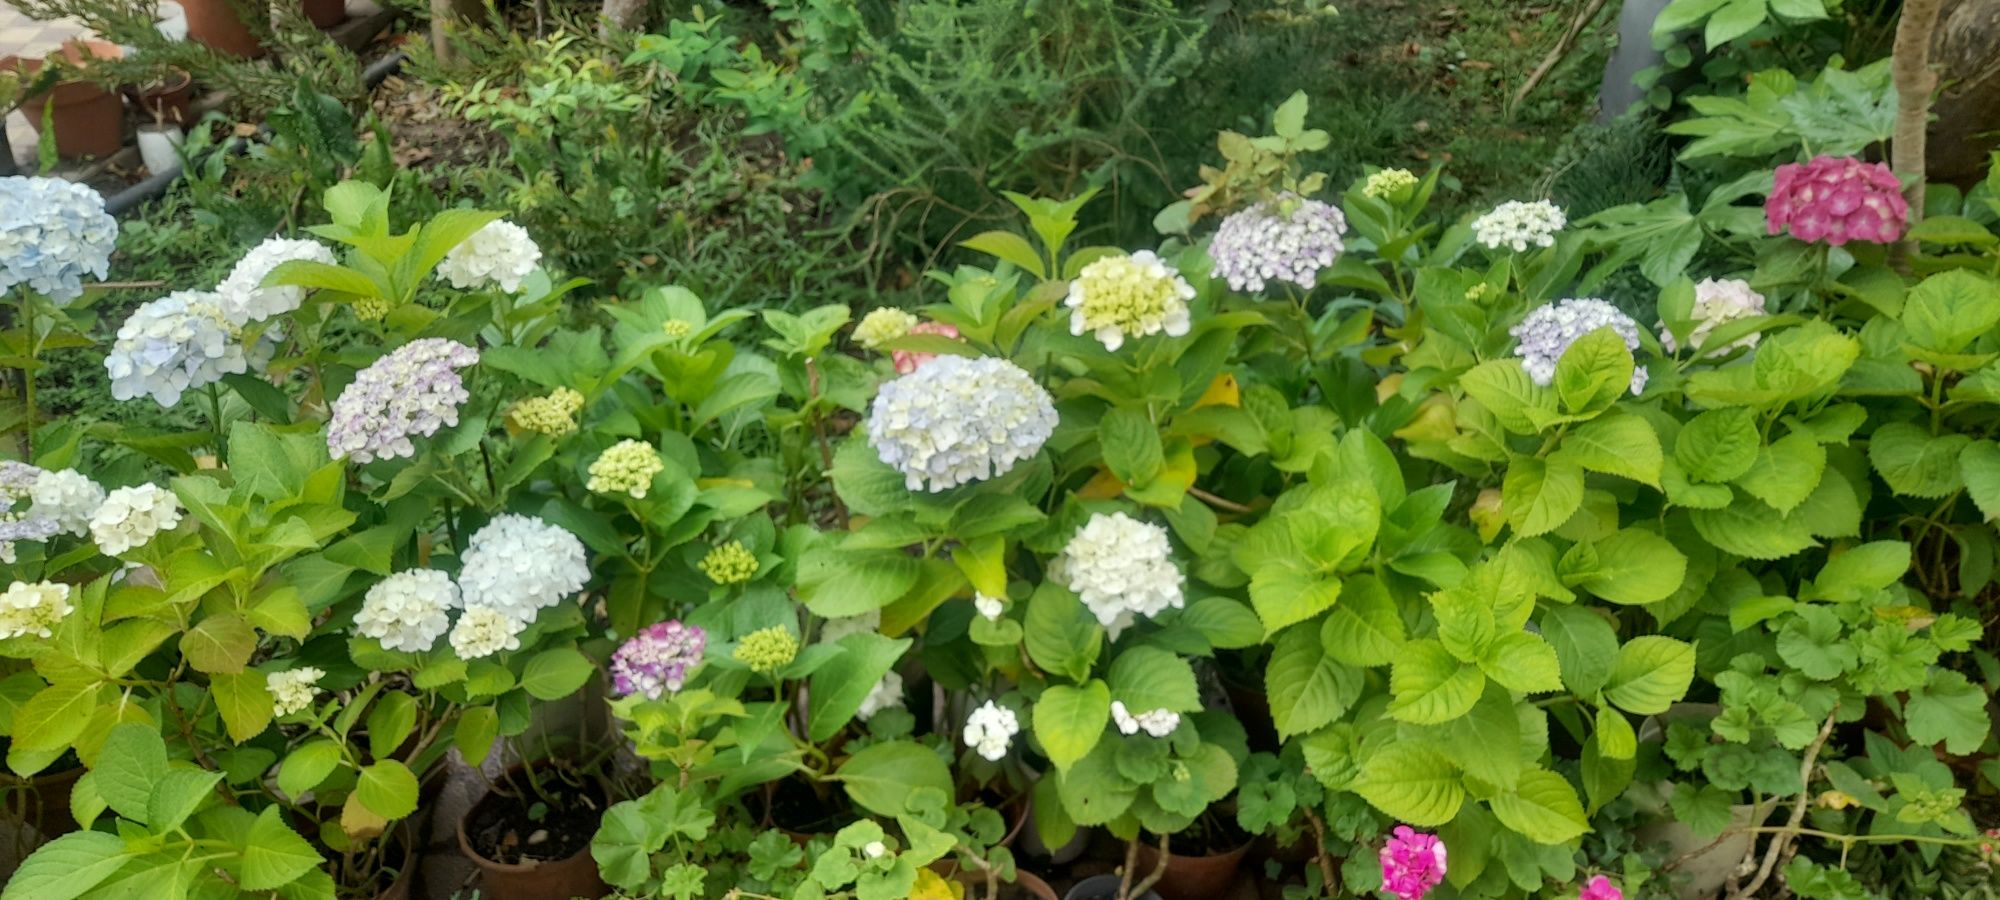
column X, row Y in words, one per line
column 794, row 806
column 504, row 827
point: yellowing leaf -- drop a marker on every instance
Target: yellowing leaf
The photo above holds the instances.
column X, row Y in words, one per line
column 932, row 886
column 1102, row 486
column 1223, row 391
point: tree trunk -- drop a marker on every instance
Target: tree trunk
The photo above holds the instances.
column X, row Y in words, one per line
column 1966, row 129
column 624, row 15
column 1915, row 82
column 448, row 16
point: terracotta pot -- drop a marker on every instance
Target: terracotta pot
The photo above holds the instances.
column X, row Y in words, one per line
column 1193, row 877
column 169, row 101
column 1102, row 887
column 45, row 805
column 404, row 885
column 326, row 13
column 89, row 120
column 1024, row 882
column 561, row 879
column 216, row 24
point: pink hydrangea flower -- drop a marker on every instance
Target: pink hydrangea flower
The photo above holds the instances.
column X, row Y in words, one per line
column 1600, row 888
column 1412, row 863
column 907, row 361
column 1836, row 200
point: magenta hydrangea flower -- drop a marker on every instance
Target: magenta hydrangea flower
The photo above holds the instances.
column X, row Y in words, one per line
column 907, row 361
column 1412, row 863
column 1600, row 888
column 657, row 660
column 1837, row 199
column 409, row 393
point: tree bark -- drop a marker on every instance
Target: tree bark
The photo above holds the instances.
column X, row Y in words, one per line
column 1915, row 83
column 624, row 15
column 1966, row 125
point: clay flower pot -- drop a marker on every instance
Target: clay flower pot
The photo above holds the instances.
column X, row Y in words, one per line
column 216, row 24
column 168, row 101
column 326, row 13
column 1026, row 884
column 572, row 876
column 1102, row 887
column 1193, row 877
column 89, row 120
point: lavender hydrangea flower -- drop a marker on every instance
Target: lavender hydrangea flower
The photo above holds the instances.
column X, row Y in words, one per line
column 410, row 393
column 955, row 420
column 657, row 660
column 52, row 233
column 178, row 343
column 1550, row 329
column 1289, row 240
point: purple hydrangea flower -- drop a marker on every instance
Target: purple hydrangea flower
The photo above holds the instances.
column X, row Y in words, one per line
column 1550, row 329
column 409, row 393
column 657, row 660
column 1289, row 239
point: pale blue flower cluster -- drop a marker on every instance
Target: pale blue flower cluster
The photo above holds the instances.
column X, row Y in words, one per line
column 1550, row 329
column 1289, row 240
column 178, row 343
column 52, row 233
column 954, row 421
column 410, row 393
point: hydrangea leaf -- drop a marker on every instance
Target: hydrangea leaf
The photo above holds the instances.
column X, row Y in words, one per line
column 1412, row 782
column 1431, row 686
column 1543, row 807
column 1651, row 672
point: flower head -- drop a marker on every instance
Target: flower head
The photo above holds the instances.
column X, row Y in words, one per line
column 1128, row 296
column 767, row 650
column 17, row 527
column 1517, row 225
column 52, row 233
column 33, row 609
column 907, row 361
column 172, row 345
column 520, row 565
column 835, row 629
column 1123, row 569
column 1549, row 330
column 990, row 729
column 730, row 563
column 883, row 325
column 500, row 254
column 627, row 467
column 886, row 693
column 1393, row 185
column 67, row 498
column 1288, row 240
column 242, row 296
column 483, row 631
column 677, row 328
column 1600, row 888
column 553, row 415
column 293, row 689
column 990, row 607
column 407, row 611
column 657, row 660
column 1412, row 863
column 1158, row 723
column 1716, row 302
column 410, row 393
column 129, row 517
column 1836, row 200
column 956, row 420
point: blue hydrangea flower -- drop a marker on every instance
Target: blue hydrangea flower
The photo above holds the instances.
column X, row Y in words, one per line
column 52, row 233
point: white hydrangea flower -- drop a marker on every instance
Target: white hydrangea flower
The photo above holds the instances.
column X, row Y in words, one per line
column 172, row 345
column 483, row 631
column 407, row 611
column 874, row 849
column 990, row 729
column 990, row 607
column 886, row 693
column 33, row 609
column 842, row 626
column 1390, row 184
column 130, row 517
column 954, row 421
column 1157, row 723
column 520, row 565
column 1123, row 569
column 1128, row 296
column 1715, row 302
column 293, row 689
column 1517, row 225
column 1548, row 331
column 883, row 325
column 68, row 498
column 500, row 254
column 243, row 300
column 1288, row 240
column 409, row 393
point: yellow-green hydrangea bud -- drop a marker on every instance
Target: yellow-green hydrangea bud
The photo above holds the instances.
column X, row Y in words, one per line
column 731, row 563
column 678, row 328
column 627, row 468
column 1390, row 184
column 882, row 326
column 370, row 309
column 1128, row 296
column 1478, row 292
column 553, row 415
column 767, row 650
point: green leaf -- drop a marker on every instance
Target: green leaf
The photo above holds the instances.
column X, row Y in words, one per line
column 1812, row 642
column 1061, row 634
column 1593, row 372
column 1651, row 673
column 1681, row 14
column 132, row 760
column 881, row 777
column 1506, row 391
column 1486, row 743
column 1915, row 463
column 1748, row 528
column 1009, row 247
column 837, row 583
column 67, row 867
column 1950, row 310
column 1586, row 646
column 1290, row 120
column 274, row 855
column 54, row 716
column 1949, row 709
column 478, row 727
column 1734, row 20
column 244, row 700
column 555, row 674
column 308, row 766
column 838, row 688
column 1149, row 678
column 1615, row 738
column 1632, row 566
column 390, row 722
column 176, row 797
column 1861, row 570
column 1411, row 782
column 1307, row 688
column 1069, row 721
column 1979, row 466
column 388, row 789
column 1093, row 791
column 1430, row 685
column 1786, row 472
column 1625, row 446
column 1226, row 624
column 1365, row 629
column 1540, row 495
column 1543, row 807
column 1719, row 445
column 1131, row 446
column 1523, row 662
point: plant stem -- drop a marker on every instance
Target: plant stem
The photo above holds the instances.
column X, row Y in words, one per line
column 215, row 416
column 1783, row 836
column 28, row 371
column 1159, row 870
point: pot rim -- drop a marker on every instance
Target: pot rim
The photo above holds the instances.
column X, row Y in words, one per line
column 491, row 865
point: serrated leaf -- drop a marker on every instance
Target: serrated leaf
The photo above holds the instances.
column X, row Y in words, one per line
column 1431, row 686
column 1069, row 721
column 1651, row 673
column 1413, row 783
column 1543, row 807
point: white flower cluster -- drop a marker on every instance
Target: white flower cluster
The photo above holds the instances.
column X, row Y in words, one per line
column 1549, row 330
column 293, row 689
column 990, row 607
column 52, row 233
column 956, row 420
column 68, row 498
column 407, row 611
column 172, row 345
column 1159, row 723
column 33, row 609
column 409, row 393
column 130, row 517
column 1716, row 302
column 990, row 729
column 1123, row 569
column 883, row 325
column 1288, row 240
column 837, row 628
column 1517, row 225
column 500, row 254
column 483, row 631
column 886, row 693
column 519, row 565
column 1128, row 296
column 241, row 295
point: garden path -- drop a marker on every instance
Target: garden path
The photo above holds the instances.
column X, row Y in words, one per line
column 22, row 36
